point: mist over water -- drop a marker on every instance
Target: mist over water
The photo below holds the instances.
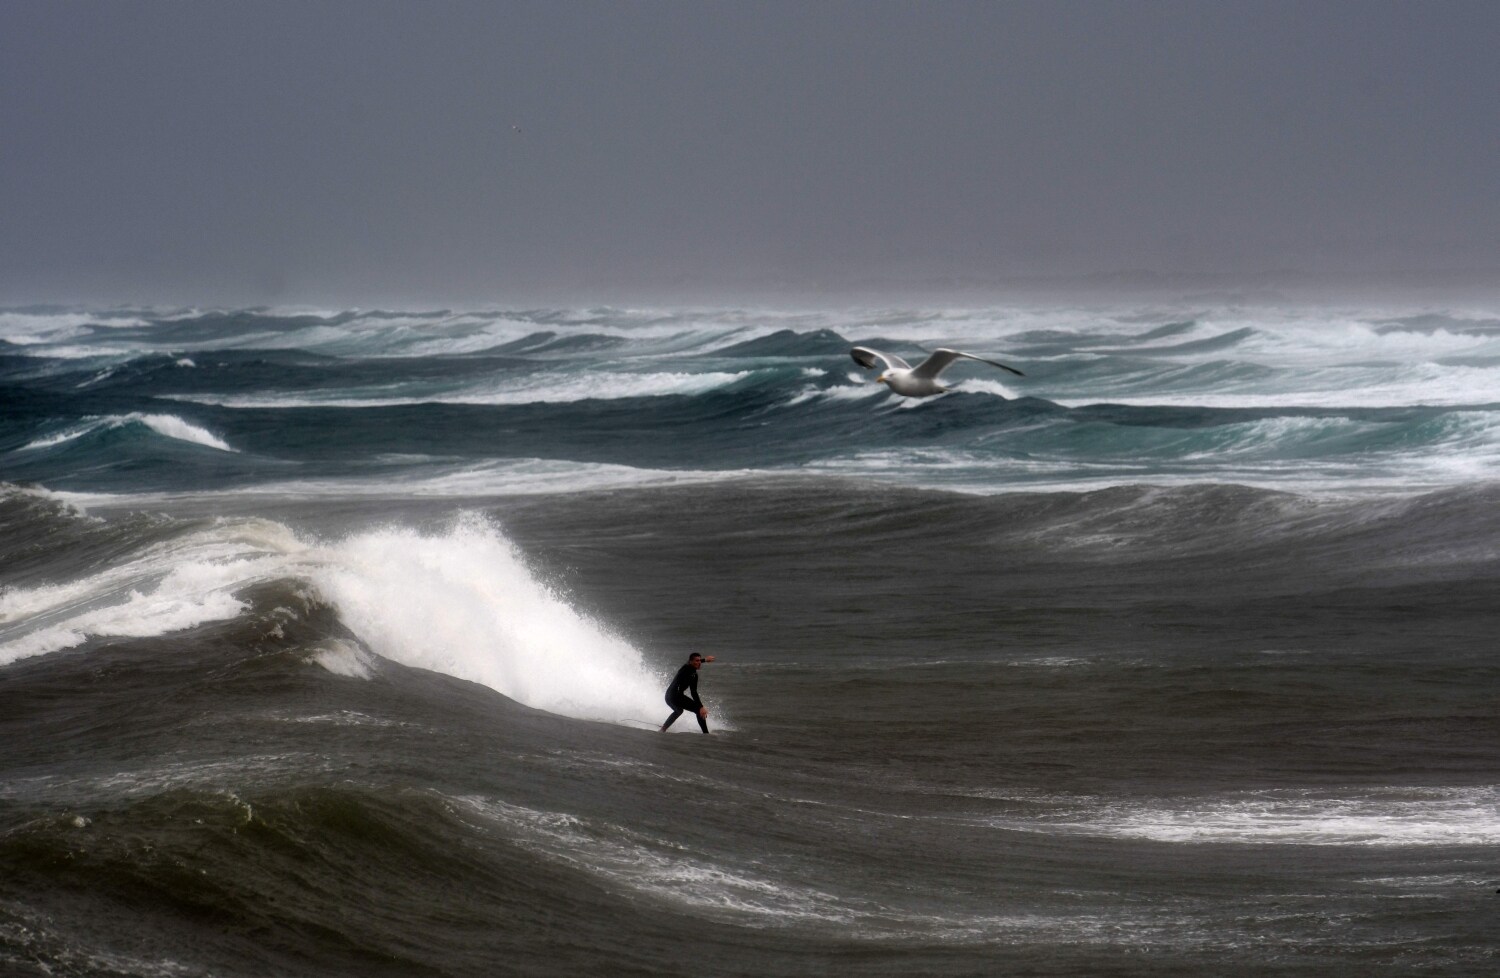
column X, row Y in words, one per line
column 333, row 642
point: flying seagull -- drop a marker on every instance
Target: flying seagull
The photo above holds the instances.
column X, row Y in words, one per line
column 919, row 381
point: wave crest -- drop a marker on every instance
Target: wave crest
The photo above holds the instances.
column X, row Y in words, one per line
column 167, row 425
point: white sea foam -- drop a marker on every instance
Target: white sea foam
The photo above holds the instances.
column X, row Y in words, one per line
column 168, row 425
column 501, row 478
column 859, row 389
column 535, row 389
column 174, row 427
column 504, row 477
column 1385, row 818
column 602, row 385
column 1328, row 360
column 39, row 329
column 976, row 385
column 100, row 376
column 60, row 437
column 167, row 588
column 1460, row 387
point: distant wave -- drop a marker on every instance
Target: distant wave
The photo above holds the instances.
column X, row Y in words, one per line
column 537, row 389
column 509, row 477
column 1355, row 386
column 168, row 425
column 1111, row 396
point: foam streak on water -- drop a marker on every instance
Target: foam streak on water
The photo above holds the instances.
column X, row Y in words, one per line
column 1387, row 818
column 167, row 425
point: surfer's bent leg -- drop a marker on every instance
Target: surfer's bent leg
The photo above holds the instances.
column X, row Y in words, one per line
column 679, row 705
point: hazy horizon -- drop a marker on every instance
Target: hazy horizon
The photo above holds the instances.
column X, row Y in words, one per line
column 460, row 153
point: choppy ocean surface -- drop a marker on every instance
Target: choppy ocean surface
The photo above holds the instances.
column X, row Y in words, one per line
column 333, row 643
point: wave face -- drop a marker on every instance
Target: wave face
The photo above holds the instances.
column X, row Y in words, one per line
column 334, row 643
column 1301, row 400
column 459, row 601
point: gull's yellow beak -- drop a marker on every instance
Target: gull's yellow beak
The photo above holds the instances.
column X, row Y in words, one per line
column 880, row 379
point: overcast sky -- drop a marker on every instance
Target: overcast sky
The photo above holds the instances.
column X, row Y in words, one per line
column 367, row 152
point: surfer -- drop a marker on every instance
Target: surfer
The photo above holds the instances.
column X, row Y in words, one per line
column 682, row 694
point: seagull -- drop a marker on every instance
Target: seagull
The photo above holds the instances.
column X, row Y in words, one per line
column 919, row 381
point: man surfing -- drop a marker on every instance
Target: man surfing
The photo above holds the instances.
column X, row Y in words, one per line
column 682, row 694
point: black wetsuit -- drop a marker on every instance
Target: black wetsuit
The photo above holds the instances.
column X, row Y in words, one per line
column 683, row 695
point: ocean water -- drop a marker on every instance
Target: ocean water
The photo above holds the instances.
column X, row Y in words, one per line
column 334, row 642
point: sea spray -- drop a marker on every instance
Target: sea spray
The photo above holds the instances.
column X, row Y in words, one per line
column 464, row 603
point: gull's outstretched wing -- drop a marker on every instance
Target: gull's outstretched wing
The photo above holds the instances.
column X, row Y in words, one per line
column 929, row 369
column 866, row 357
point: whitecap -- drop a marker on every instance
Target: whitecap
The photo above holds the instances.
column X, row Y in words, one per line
column 551, row 388
column 174, row 427
column 168, row 425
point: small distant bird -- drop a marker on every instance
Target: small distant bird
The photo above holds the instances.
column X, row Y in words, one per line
column 515, row 128
column 919, row 381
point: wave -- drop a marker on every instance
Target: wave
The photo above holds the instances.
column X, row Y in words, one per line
column 658, row 868
column 166, row 425
column 1222, row 385
column 1429, row 323
column 1329, row 329
column 461, row 602
column 508, row 477
column 534, row 389
column 790, row 343
column 51, row 327
column 283, row 860
column 1210, row 344
column 166, row 587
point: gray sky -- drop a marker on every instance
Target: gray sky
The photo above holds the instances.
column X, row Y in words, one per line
column 363, row 152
